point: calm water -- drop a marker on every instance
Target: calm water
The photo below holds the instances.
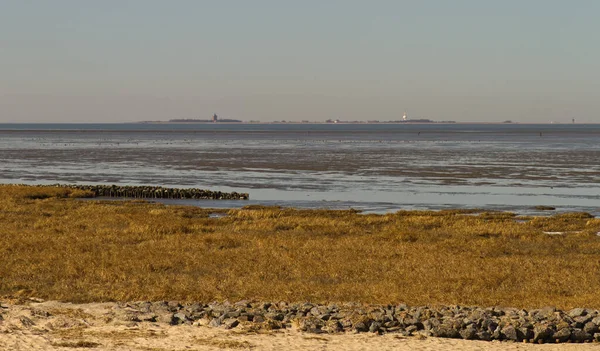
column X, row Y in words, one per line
column 372, row 167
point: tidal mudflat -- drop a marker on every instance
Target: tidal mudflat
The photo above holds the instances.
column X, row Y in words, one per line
column 376, row 168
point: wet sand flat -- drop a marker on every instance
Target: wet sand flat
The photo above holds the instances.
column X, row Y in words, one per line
column 422, row 166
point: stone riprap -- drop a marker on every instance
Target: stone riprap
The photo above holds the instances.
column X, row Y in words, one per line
column 472, row 323
column 545, row 325
column 157, row 192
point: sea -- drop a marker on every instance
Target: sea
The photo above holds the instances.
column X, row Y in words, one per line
column 375, row 168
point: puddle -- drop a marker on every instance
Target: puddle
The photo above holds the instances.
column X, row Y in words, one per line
column 217, row 215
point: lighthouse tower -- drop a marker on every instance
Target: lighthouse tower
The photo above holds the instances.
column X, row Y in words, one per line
column 404, row 116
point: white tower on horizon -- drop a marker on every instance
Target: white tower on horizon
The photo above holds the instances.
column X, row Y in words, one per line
column 404, row 116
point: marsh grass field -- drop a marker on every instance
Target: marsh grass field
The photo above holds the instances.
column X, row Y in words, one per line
column 56, row 247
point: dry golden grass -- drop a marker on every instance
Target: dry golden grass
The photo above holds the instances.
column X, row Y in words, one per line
column 77, row 344
column 55, row 247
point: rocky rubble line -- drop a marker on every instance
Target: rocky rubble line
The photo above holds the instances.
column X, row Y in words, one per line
column 157, row 192
column 545, row 325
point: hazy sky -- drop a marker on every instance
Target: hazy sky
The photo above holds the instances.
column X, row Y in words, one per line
column 479, row 60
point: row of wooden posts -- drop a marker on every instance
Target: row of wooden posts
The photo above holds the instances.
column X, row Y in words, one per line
column 158, row 192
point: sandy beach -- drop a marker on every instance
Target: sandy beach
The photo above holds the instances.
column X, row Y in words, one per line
column 103, row 326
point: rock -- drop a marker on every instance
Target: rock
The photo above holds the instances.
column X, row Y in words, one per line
column 542, row 333
column 578, row 335
column 391, row 324
column 424, row 333
column 216, row 322
column 149, row 317
column 543, row 313
column 576, row 312
column 334, row 326
column 590, row 328
column 232, row 314
column 469, row 333
column 411, row 329
column 511, row 333
column 275, row 316
column 311, row 324
column 597, row 337
column 230, row 323
column 173, row 306
column 40, row 313
column 375, row 327
column 165, row 318
column 361, row 327
column 26, row 321
column 484, row 335
column 527, row 332
column 489, row 324
column 444, row 331
column 258, row 318
column 242, row 303
column 582, row 320
column 409, row 321
column 562, row 335
column 202, row 322
column 179, row 318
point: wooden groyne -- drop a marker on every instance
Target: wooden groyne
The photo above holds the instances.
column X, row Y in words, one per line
column 157, row 192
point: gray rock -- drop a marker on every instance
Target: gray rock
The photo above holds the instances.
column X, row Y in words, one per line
column 562, row 335
column 179, row 318
column 334, row 326
column 576, row 312
column 375, row 327
column 582, row 319
column 391, row 324
column 346, row 323
column 258, row 318
column 543, row 313
column 444, row 331
column 590, row 328
column 597, row 337
column 542, row 333
column 484, row 335
column 216, row 322
column 230, row 323
column 173, row 306
column 527, row 332
column 509, row 332
column 489, row 324
column 361, row 327
column 409, row 321
column 275, row 316
column 411, row 329
column 39, row 313
column 232, row 314
column 578, row 335
column 26, row 321
column 324, row 317
column 469, row 333
column 165, row 318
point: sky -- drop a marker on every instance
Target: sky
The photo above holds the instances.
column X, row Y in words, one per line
column 110, row 61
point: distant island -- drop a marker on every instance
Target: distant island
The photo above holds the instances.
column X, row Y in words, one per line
column 191, row 120
column 216, row 119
